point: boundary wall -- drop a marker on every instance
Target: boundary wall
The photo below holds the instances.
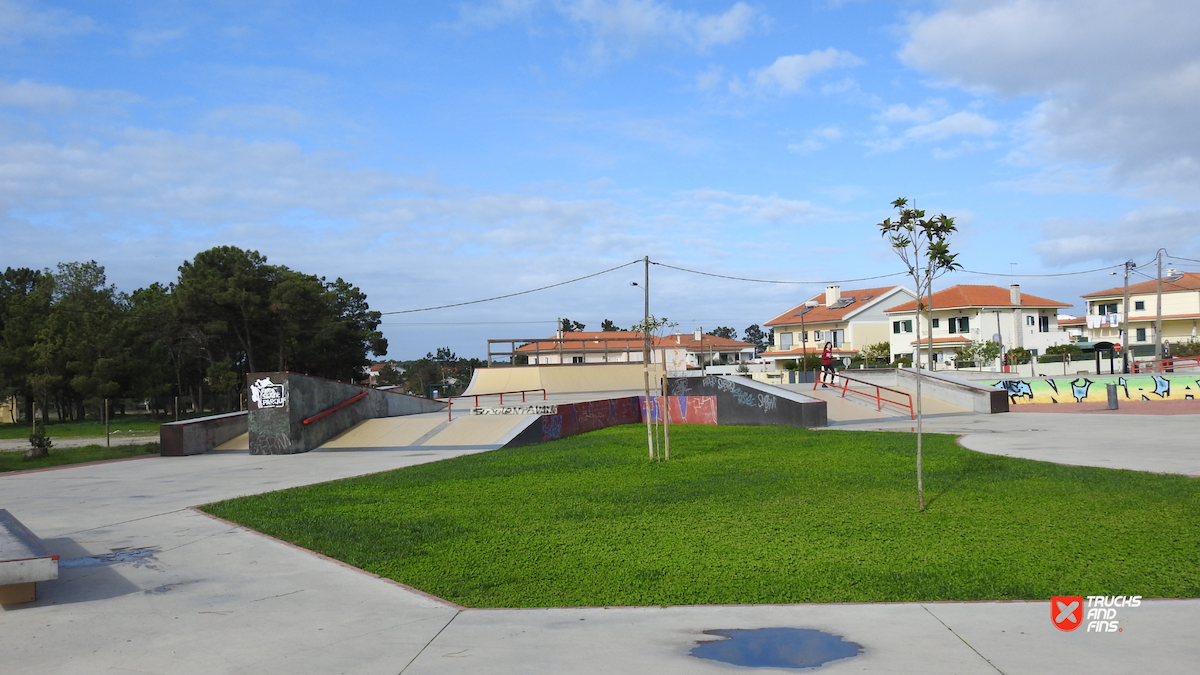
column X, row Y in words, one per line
column 569, row 378
column 199, row 435
column 281, row 403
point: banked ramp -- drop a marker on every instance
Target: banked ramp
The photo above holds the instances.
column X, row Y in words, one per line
column 431, row 432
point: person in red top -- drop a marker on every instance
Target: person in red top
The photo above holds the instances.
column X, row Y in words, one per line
column 827, row 364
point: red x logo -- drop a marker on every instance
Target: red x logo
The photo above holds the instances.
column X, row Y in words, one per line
column 1066, row 611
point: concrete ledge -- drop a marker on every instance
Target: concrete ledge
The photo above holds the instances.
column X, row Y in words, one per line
column 196, row 436
column 741, row 400
column 981, row 398
column 24, row 561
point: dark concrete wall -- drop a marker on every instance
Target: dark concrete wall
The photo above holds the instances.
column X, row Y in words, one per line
column 280, row 402
column 195, row 436
column 741, row 400
column 573, row 419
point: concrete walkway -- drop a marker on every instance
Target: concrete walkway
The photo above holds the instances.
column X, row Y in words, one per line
column 175, row 591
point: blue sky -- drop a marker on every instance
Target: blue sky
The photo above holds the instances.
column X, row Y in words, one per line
column 437, row 153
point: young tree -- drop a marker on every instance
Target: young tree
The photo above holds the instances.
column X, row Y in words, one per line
column 723, row 332
column 922, row 245
column 650, row 327
column 880, row 352
column 756, row 335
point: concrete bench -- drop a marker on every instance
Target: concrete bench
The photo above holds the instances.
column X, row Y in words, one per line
column 24, row 561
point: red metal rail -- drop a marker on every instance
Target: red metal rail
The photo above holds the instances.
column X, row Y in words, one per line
column 522, row 392
column 1172, row 363
column 337, row 407
column 879, row 398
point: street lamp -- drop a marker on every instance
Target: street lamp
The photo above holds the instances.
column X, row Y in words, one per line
column 811, row 304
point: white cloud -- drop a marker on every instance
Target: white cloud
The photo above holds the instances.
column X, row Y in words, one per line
column 1119, row 81
column 53, row 98
column 958, row 124
column 817, row 139
column 619, row 28
column 1138, row 233
column 143, row 41
column 255, row 116
column 789, row 73
column 19, row 23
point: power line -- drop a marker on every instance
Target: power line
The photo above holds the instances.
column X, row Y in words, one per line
column 772, row 281
column 1175, row 257
column 1059, row 274
column 513, row 295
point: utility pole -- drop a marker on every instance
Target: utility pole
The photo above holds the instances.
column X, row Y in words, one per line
column 646, row 358
column 1158, row 342
column 1125, row 346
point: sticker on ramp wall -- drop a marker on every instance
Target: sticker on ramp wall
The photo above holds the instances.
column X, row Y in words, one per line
column 517, row 410
column 267, row 394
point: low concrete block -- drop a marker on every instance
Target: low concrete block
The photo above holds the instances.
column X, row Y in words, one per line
column 196, row 436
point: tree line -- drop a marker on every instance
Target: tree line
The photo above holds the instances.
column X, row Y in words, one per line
column 69, row 339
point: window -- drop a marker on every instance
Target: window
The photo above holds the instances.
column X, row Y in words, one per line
column 1110, row 308
column 1139, row 304
column 576, row 359
column 1043, row 324
column 837, row 337
column 936, row 322
column 1141, row 335
column 1029, row 321
column 896, row 327
column 817, row 335
column 964, row 324
column 953, row 325
column 908, row 326
column 785, row 341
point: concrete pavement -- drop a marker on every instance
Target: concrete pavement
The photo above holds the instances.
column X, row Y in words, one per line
column 181, row 592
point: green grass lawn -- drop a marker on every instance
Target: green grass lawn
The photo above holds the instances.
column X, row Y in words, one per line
column 15, row 460
column 128, row 425
column 747, row 515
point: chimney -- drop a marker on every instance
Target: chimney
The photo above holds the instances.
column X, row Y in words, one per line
column 558, row 334
column 832, row 294
column 698, row 334
column 678, row 339
column 1014, row 294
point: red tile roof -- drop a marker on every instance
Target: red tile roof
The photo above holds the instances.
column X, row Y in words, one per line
column 1189, row 282
column 823, row 314
column 632, row 341
column 964, row 296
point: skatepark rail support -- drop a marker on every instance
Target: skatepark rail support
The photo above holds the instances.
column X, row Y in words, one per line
column 879, row 399
column 343, row 404
column 522, row 392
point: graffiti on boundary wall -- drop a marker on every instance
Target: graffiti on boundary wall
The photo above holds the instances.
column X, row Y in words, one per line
column 1083, row 389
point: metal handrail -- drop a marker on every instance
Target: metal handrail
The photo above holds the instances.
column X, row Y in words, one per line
column 879, row 389
column 337, row 407
column 1169, row 362
column 522, row 392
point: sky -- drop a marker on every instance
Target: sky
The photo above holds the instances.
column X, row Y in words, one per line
column 435, row 154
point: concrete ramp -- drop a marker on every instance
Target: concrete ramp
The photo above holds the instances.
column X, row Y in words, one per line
column 387, row 432
column 236, row 443
column 431, row 431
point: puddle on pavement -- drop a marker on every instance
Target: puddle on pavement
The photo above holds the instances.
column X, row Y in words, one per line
column 775, row 647
column 138, row 556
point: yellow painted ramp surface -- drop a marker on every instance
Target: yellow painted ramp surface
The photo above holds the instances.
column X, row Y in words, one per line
column 476, row 430
column 238, row 443
column 387, row 432
column 562, row 379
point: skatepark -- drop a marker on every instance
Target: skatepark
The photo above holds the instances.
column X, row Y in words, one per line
column 148, row 584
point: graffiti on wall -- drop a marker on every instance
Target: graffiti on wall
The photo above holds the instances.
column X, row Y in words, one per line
column 578, row 418
column 1087, row 390
column 685, row 409
column 765, row 402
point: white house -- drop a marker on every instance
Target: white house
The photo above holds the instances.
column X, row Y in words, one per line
column 683, row 351
column 967, row 314
column 1180, row 312
column 851, row 320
